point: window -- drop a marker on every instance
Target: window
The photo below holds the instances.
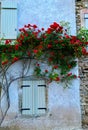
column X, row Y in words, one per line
column 84, row 18
column 33, row 97
column 8, row 20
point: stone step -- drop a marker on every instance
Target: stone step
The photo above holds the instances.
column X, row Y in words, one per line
column 16, row 128
column 4, row 128
column 86, row 111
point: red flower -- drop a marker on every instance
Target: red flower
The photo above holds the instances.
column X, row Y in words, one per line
column 78, row 76
column 35, row 51
column 34, row 26
column 4, row 62
column 57, row 79
column 44, row 36
column 69, row 66
column 49, row 46
column 7, row 42
column 39, row 31
column 86, row 43
column 29, row 25
column 75, row 76
column 15, row 59
column 50, row 59
column 40, row 47
column 22, row 30
column 38, row 64
column 84, row 51
column 55, row 66
column 56, row 41
column 26, row 34
column 35, row 34
column 42, row 29
column 29, row 53
column 46, row 71
column 69, row 74
column 21, row 37
column 67, row 36
column 54, row 25
column 74, row 38
column 16, row 46
column 49, row 31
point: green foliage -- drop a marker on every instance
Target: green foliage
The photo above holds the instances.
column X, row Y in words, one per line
column 54, row 45
column 83, row 34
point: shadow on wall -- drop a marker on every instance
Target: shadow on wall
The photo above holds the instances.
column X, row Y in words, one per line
column 0, row 89
column 7, row 128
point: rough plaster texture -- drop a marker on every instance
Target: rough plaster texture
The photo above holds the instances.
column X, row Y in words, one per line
column 63, row 104
column 45, row 12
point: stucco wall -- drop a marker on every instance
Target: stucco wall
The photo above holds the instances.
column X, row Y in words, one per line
column 44, row 12
column 63, row 104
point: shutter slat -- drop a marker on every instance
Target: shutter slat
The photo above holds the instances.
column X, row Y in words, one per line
column 42, row 108
column 25, row 86
column 25, row 109
column 41, row 85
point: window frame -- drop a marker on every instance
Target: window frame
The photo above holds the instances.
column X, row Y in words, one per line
column 20, row 98
column 82, row 14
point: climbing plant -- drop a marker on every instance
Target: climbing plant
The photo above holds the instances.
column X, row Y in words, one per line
column 53, row 45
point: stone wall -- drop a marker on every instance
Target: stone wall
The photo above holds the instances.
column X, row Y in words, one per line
column 79, row 6
column 83, row 71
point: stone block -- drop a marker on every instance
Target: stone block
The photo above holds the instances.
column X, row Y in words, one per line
column 85, row 120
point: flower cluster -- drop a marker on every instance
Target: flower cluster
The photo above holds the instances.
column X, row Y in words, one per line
column 53, row 45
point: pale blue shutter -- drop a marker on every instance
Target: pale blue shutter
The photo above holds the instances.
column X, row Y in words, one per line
column 9, row 19
column 33, row 97
column 41, row 97
column 27, row 98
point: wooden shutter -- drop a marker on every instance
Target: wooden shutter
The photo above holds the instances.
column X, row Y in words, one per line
column 27, row 98
column 34, row 97
column 8, row 19
column 41, row 97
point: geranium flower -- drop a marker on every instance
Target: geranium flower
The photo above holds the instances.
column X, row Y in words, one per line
column 7, row 42
column 35, row 51
column 57, row 79
column 16, row 46
column 4, row 62
column 46, row 71
column 69, row 74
